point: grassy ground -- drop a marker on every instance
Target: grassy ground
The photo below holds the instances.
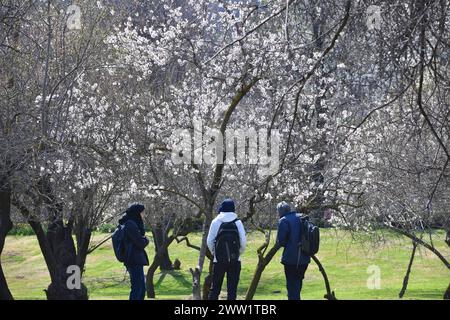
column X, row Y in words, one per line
column 345, row 259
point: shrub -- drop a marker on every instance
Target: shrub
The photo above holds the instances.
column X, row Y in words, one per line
column 21, row 229
column 106, row 228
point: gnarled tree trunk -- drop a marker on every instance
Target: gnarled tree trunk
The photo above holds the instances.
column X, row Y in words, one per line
column 82, row 223
column 196, row 274
column 208, row 278
column 197, row 271
column 8, row 17
column 165, row 242
column 57, row 246
column 208, row 281
column 62, row 248
column 157, row 259
column 83, row 237
column 447, row 293
column 330, row 294
column 263, row 261
column 5, row 226
column 150, row 276
column 447, row 238
column 161, row 248
column 408, row 271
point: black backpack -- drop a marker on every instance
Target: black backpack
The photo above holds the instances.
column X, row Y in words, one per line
column 227, row 243
column 309, row 237
column 118, row 241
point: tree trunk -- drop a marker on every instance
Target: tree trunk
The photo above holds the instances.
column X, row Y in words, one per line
column 195, row 277
column 447, row 293
column 165, row 264
column 197, row 272
column 63, row 250
column 82, row 224
column 330, row 294
column 150, row 276
column 209, row 196
column 408, row 271
column 318, row 168
column 447, row 238
column 9, row 17
column 263, row 261
column 5, row 226
column 208, row 281
column 154, row 266
column 58, row 249
column 255, row 280
column 5, row 294
column 83, row 238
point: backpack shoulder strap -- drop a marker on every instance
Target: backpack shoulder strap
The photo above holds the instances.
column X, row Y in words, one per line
column 219, row 231
column 302, row 219
column 230, row 222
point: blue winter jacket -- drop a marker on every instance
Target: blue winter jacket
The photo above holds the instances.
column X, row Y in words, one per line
column 288, row 236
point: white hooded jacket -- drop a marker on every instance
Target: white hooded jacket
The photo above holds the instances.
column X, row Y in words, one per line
column 214, row 229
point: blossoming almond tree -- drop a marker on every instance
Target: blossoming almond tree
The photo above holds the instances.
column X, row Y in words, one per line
column 64, row 171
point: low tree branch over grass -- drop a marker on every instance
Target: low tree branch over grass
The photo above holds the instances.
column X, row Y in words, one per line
column 417, row 240
column 408, row 271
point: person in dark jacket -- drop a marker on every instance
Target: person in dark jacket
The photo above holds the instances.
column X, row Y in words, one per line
column 295, row 263
column 135, row 243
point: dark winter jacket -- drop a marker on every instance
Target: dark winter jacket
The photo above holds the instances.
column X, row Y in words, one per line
column 288, row 236
column 135, row 240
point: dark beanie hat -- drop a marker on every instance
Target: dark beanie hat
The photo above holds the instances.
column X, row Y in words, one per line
column 135, row 209
column 227, row 206
column 134, row 213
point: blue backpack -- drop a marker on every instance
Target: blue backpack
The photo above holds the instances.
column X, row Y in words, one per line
column 118, row 241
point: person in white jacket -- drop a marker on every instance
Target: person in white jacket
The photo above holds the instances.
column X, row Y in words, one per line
column 226, row 241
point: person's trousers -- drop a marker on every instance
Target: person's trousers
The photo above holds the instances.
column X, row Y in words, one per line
column 233, row 271
column 137, row 280
column 294, row 280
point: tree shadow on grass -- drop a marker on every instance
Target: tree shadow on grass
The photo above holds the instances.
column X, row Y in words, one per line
column 423, row 294
column 181, row 278
column 106, row 282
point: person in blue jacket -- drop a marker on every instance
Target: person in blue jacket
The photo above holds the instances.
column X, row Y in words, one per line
column 135, row 243
column 295, row 263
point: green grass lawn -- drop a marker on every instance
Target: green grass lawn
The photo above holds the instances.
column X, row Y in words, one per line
column 344, row 257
